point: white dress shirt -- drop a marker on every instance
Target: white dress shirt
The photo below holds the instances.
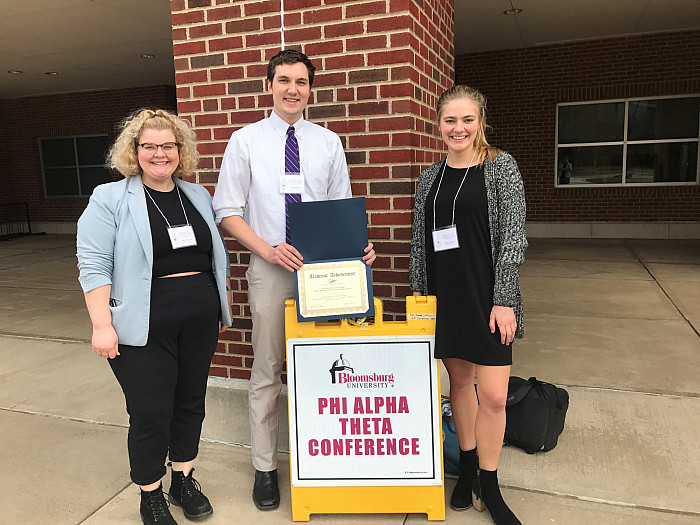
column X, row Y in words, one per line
column 249, row 179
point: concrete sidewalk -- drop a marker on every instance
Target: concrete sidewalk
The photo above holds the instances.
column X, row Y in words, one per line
column 614, row 321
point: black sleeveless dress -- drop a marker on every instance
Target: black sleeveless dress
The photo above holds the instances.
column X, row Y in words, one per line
column 463, row 278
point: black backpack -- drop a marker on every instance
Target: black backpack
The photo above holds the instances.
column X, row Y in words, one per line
column 535, row 413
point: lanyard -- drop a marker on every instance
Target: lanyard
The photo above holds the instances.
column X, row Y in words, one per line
column 454, row 203
column 159, row 210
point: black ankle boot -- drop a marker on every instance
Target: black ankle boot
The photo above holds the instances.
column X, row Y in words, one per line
column 487, row 494
column 185, row 492
column 154, row 508
column 462, row 494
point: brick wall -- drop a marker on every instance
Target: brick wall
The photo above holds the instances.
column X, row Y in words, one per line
column 523, row 87
column 24, row 120
column 380, row 66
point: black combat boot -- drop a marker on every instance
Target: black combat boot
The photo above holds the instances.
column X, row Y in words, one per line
column 154, row 508
column 185, row 492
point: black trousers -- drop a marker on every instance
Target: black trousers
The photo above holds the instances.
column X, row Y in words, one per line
column 165, row 382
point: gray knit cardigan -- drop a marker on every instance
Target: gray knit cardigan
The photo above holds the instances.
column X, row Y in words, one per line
column 506, row 204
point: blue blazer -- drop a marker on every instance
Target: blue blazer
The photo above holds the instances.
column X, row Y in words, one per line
column 114, row 247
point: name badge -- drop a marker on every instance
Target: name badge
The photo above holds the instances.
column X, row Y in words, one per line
column 291, row 183
column 182, row 236
column 445, row 238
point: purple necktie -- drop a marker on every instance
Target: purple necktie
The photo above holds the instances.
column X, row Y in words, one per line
column 291, row 165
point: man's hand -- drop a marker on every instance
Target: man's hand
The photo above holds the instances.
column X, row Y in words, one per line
column 371, row 256
column 286, row 256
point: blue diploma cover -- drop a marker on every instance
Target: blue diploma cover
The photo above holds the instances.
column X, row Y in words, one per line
column 334, row 282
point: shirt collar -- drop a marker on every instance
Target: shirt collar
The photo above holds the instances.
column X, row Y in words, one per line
column 281, row 126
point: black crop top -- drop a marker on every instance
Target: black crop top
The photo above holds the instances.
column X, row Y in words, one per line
column 166, row 260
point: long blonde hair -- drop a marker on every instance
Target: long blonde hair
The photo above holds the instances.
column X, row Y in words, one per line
column 481, row 145
column 122, row 155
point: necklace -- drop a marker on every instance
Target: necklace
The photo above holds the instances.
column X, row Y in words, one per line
column 454, row 203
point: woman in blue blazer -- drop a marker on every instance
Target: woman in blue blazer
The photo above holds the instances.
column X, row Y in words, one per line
column 155, row 274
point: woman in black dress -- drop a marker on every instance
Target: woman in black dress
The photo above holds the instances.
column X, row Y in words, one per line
column 467, row 245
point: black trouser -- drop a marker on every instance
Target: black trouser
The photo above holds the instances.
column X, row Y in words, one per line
column 165, row 381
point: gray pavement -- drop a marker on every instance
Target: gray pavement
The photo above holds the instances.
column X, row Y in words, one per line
column 614, row 321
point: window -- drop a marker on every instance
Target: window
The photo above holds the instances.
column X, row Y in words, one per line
column 73, row 166
column 624, row 142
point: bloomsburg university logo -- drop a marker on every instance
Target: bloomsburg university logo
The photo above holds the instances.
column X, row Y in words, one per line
column 342, row 373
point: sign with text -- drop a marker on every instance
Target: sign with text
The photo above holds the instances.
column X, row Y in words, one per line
column 363, row 411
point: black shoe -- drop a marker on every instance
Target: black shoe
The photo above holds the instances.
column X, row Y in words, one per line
column 462, row 494
column 266, row 493
column 154, row 508
column 486, row 494
column 185, row 492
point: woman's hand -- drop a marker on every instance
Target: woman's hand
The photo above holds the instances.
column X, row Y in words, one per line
column 504, row 316
column 105, row 342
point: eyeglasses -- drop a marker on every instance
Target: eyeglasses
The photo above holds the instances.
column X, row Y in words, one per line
column 167, row 147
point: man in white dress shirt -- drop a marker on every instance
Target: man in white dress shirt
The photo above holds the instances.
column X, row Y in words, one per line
column 250, row 205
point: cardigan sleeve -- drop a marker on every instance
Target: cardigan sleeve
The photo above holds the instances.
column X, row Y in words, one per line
column 417, row 273
column 416, row 265
column 511, row 224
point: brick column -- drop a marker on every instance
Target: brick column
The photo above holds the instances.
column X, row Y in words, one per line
column 380, row 66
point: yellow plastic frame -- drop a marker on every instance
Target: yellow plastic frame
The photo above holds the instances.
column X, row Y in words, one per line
column 420, row 313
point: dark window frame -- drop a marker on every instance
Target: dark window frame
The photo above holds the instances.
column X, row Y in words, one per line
column 77, row 166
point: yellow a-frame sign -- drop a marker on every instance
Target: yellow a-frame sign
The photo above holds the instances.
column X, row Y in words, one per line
column 364, row 410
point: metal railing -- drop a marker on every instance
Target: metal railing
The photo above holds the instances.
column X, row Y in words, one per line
column 14, row 220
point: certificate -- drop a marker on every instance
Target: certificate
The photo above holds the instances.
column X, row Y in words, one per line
column 333, row 282
column 333, row 289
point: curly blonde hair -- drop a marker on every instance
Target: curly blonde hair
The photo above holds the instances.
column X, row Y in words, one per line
column 122, row 155
column 481, row 145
